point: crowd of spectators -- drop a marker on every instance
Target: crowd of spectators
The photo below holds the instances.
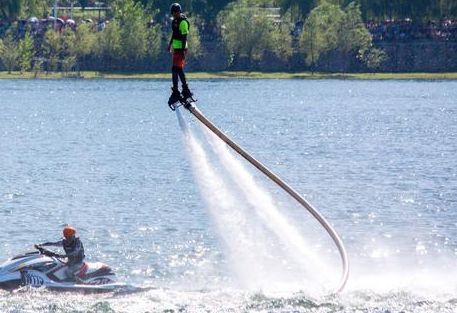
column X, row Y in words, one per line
column 38, row 27
column 406, row 30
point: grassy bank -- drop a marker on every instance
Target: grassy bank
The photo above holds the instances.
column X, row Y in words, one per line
column 246, row 75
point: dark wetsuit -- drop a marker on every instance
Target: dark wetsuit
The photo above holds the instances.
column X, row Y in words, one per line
column 74, row 252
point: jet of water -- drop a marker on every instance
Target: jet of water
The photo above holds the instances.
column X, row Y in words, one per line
column 265, row 250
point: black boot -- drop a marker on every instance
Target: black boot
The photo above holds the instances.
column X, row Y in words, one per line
column 187, row 94
column 174, row 98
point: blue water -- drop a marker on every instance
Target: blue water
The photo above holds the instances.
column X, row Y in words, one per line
column 376, row 158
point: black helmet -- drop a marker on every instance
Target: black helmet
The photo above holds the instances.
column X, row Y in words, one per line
column 175, row 7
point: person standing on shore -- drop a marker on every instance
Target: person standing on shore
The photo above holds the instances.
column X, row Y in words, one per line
column 178, row 48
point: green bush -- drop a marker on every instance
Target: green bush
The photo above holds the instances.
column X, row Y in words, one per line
column 249, row 31
column 10, row 53
column 26, row 51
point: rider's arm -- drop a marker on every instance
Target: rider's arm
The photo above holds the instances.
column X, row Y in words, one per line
column 52, row 244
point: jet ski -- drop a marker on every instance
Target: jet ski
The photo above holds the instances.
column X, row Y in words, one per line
column 44, row 268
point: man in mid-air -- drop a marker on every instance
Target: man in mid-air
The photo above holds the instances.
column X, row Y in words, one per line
column 74, row 251
column 178, row 48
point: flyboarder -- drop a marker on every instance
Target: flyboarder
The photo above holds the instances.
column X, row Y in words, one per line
column 178, row 48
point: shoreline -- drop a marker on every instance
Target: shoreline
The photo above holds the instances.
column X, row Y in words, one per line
column 234, row 75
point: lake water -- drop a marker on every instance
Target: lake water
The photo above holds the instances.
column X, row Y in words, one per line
column 376, row 158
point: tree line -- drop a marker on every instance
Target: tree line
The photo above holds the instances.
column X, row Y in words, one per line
column 247, row 30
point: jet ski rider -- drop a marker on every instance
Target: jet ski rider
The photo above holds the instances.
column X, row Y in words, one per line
column 74, row 251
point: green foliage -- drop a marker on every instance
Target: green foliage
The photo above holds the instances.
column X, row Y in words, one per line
column 68, row 63
column 10, row 8
column 133, row 31
column 31, row 8
column 194, row 41
column 418, row 10
column 37, row 67
column 68, row 44
column 353, row 35
column 299, row 9
column 328, row 27
column 26, row 51
column 52, row 49
column 248, row 31
column 374, row 58
column 207, row 9
column 281, row 40
column 321, row 31
column 213, row 8
column 84, row 41
column 109, row 41
column 60, row 49
column 9, row 55
column 154, row 41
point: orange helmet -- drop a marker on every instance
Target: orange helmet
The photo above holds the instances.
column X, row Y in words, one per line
column 69, row 231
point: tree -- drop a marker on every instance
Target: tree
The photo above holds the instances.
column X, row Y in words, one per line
column 353, row 37
column 447, row 8
column 9, row 55
column 69, row 52
column 26, row 51
column 282, row 40
column 133, row 33
column 154, row 41
column 60, row 49
column 108, row 45
column 10, row 9
column 52, row 49
column 84, row 41
column 320, row 33
column 329, row 28
column 34, row 8
column 207, row 9
column 2, row 50
column 299, row 9
column 248, row 31
column 195, row 47
column 373, row 58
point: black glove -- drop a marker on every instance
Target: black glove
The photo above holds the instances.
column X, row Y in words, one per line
column 38, row 247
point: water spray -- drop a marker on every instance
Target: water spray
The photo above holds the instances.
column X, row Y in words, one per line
column 294, row 194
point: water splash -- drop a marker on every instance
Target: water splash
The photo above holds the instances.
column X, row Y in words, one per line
column 265, row 248
column 224, row 207
column 296, row 247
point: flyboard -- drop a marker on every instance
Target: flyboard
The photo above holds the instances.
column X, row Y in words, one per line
column 190, row 105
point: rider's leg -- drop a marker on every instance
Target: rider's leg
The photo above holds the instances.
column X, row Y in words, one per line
column 71, row 271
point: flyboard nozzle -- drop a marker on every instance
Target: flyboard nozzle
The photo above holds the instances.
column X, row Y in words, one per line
column 189, row 106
